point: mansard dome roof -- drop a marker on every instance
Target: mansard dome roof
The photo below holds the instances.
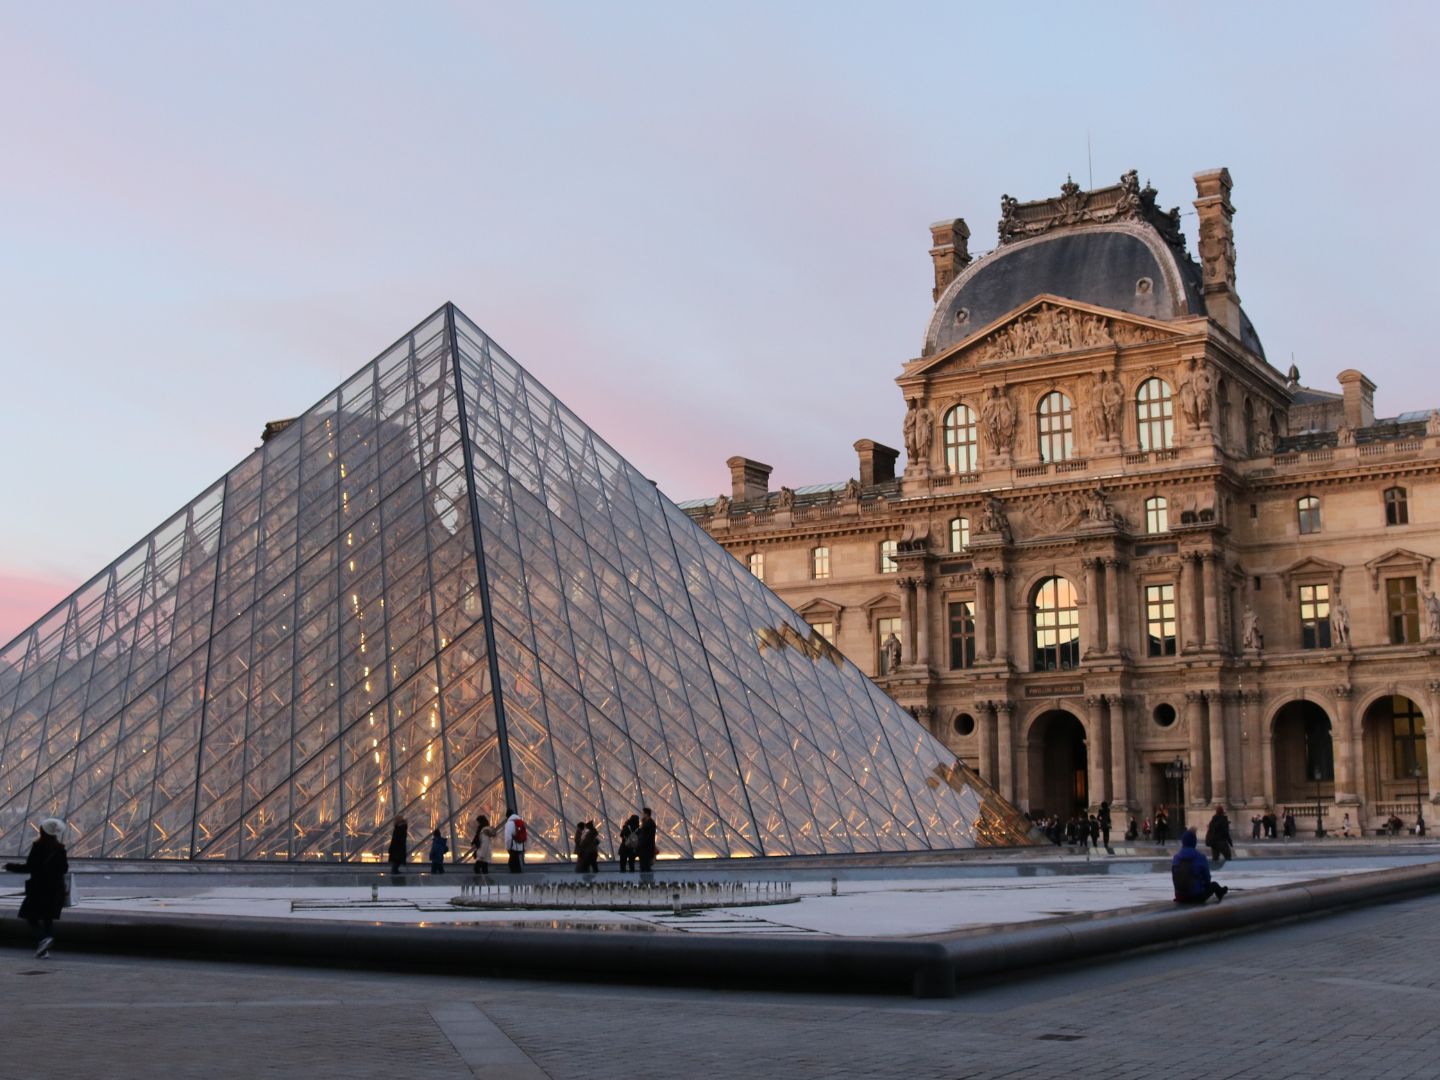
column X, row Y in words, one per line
column 1110, row 247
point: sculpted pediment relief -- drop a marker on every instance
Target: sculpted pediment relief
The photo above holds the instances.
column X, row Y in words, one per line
column 1049, row 328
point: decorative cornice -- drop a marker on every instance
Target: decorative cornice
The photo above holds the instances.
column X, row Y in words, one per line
column 1118, row 202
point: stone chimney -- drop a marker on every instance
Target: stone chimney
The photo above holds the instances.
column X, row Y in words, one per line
column 877, row 462
column 1359, row 395
column 1217, row 248
column 951, row 252
column 749, row 480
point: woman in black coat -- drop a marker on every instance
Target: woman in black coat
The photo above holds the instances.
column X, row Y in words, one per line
column 47, row 865
column 399, row 846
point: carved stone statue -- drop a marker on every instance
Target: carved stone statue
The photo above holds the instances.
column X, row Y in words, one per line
column 1098, row 507
column 890, row 647
column 992, row 519
column 787, row 498
column 1432, row 422
column 721, row 507
column 1432, row 616
column 919, row 432
column 1264, row 442
column 1008, row 226
column 1339, row 623
column 1345, row 435
column 998, row 417
column 1250, row 636
column 1196, row 394
column 852, row 489
column 1107, row 404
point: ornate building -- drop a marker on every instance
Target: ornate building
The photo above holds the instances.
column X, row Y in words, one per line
column 1128, row 559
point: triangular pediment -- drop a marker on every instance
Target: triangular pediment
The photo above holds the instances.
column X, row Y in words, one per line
column 1398, row 560
column 1313, row 568
column 1048, row 326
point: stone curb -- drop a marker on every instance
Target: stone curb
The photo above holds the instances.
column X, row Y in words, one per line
column 930, row 967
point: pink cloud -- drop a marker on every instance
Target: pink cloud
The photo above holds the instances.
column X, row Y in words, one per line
column 24, row 598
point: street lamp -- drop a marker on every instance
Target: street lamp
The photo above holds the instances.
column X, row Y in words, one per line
column 1419, row 810
column 1319, row 810
column 1176, row 770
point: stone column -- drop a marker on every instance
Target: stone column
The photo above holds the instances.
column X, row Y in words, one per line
column 1252, row 741
column 1347, row 776
column 922, row 622
column 1090, row 617
column 1000, row 589
column 1197, row 789
column 1267, row 765
column 982, row 616
column 985, row 729
column 1432, row 746
column 1212, row 638
column 907, row 621
column 1189, row 605
column 1113, row 645
column 1097, row 750
column 1216, row 705
column 1119, row 751
column 1005, row 749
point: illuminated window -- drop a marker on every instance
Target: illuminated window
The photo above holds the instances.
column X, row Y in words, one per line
column 1315, row 616
column 757, row 564
column 1157, row 514
column 1056, row 613
column 1402, row 604
column 1056, row 427
column 1308, row 511
column 1397, row 509
column 1409, row 736
column 825, row 630
column 959, row 533
column 888, row 548
column 1160, row 619
column 883, row 629
column 960, row 440
column 962, row 635
column 1155, row 415
column 820, row 563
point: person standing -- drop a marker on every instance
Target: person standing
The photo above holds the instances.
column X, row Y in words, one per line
column 1092, row 829
column 1105, row 825
column 629, row 842
column 438, row 847
column 399, row 846
column 587, row 851
column 648, row 848
column 47, row 864
column 517, row 834
column 484, row 844
column 1217, row 837
column 1162, row 826
column 1190, row 873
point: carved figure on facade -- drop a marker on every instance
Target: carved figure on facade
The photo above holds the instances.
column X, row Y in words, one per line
column 1099, row 510
column 1107, row 406
column 722, row 507
column 1056, row 514
column 1009, row 228
column 787, row 498
column 852, row 490
column 1432, row 422
column 1345, row 435
column 1339, row 623
column 891, row 650
column 1432, row 616
column 1264, row 442
column 1219, row 257
column 998, row 417
column 1196, row 390
column 919, row 430
column 1125, row 201
column 992, row 518
column 1051, row 329
column 1250, row 635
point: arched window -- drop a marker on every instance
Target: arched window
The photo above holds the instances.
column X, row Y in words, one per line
column 1056, row 427
column 1056, row 613
column 1397, row 508
column 1155, row 415
column 757, row 564
column 888, row 548
column 960, row 441
column 820, row 562
column 1157, row 514
column 959, row 533
column 1308, row 512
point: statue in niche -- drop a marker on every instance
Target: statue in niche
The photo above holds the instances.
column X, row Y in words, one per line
column 1432, row 616
column 852, row 489
column 1099, row 509
column 1339, row 623
column 890, row 648
column 998, row 417
column 919, row 432
column 1196, row 394
column 1107, row 404
column 721, row 507
column 1250, row 635
column 992, row 519
column 1344, row 435
column 1264, row 442
column 787, row 498
column 1432, row 422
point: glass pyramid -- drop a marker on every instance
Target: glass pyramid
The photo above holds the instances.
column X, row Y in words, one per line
column 435, row 593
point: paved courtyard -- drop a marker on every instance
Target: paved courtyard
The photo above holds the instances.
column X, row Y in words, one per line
column 1352, row 996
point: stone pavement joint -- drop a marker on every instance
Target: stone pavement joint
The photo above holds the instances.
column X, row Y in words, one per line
column 482, row 1045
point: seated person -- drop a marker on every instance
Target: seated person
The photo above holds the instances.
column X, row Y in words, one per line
column 1190, row 873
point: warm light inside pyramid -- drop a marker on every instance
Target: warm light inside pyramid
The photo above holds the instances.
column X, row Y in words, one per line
column 434, row 594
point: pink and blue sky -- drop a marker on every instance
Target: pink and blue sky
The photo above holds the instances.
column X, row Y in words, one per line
column 684, row 219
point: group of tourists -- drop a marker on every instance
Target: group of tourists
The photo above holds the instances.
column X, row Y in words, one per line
column 1079, row 830
column 1267, row 824
column 638, row 845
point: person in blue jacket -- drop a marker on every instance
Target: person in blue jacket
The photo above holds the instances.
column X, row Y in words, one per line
column 1190, row 873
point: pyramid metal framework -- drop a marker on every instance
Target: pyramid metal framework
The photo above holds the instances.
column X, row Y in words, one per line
column 437, row 593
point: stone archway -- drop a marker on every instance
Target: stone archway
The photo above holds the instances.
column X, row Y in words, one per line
column 1392, row 741
column 1303, row 747
column 1058, row 764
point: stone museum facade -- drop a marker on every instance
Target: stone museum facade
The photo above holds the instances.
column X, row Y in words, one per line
column 1128, row 559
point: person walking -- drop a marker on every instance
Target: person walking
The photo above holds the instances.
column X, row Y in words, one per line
column 648, row 848
column 1105, row 825
column 587, row 851
column 1092, row 829
column 1190, row 873
column 1217, row 837
column 47, row 864
column 399, row 846
column 1162, row 826
column 438, row 847
column 629, row 842
column 517, row 835
column 484, row 844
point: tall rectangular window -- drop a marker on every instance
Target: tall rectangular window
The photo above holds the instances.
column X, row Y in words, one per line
column 1160, row 619
column 883, row 629
column 962, row 634
column 1402, row 605
column 820, row 563
column 825, row 630
column 1308, row 512
column 757, row 564
column 888, row 550
column 959, row 533
column 1397, row 507
column 1314, row 616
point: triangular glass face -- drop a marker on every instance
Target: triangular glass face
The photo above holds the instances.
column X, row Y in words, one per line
column 435, row 593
